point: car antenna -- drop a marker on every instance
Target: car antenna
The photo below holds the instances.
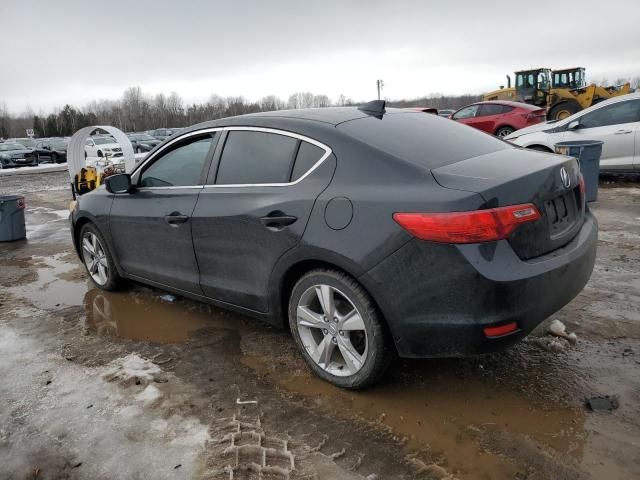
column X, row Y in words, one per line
column 374, row 108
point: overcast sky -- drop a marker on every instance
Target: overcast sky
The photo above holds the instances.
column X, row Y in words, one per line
column 57, row 52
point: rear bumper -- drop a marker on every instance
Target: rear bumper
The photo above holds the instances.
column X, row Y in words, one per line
column 437, row 298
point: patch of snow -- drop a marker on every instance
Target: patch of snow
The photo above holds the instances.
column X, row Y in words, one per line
column 42, row 168
column 149, row 394
column 133, row 366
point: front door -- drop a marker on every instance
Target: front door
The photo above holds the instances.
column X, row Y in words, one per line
column 254, row 208
column 151, row 227
column 616, row 125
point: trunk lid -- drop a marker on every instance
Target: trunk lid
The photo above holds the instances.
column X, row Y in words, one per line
column 514, row 176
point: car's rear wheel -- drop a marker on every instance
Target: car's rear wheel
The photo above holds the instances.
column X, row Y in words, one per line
column 504, row 131
column 98, row 260
column 54, row 158
column 338, row 329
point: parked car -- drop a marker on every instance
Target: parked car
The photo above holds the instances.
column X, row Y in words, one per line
column 164, row 133
column 616, row 122
column 364, row 230
column 52, row 150
column 16, row 155
column 26, row 141
column 445, row 112
column 102, row 146
column 142, row 142
column 431, row 110
column 499, row 118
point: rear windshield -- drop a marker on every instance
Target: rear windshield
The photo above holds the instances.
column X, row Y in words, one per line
column 425, row 140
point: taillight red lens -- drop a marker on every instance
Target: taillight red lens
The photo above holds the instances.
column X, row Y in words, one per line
column 467, row 227
column 582, row 185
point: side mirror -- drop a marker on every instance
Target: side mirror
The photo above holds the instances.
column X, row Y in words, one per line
column 574, row 125
column 120, row 183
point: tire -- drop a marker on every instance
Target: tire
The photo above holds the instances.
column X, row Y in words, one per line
column 54, row 158
column 563, row 110
column 85, row 154
column 100, row 153
column 504, row 131
column 351, row 350
column 138, row 150
column 37, row 159
column 96, row 253
column 540, row 148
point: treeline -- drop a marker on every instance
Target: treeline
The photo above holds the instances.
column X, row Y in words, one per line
column 137, row 111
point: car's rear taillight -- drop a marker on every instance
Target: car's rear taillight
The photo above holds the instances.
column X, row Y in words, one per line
column 582, row 185
column 536, row 115
column 467, row 227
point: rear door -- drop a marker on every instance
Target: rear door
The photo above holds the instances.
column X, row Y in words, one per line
column 487, row 118
column 151, row 227
column 616, row 125
column 259, row 194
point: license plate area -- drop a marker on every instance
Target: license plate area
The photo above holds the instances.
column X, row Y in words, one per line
column 561, row 213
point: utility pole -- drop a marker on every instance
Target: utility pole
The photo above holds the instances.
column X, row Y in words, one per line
column 379, row 84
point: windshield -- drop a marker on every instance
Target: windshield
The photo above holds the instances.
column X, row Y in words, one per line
column 5, row 147
column 144, row 137
column 103, row 140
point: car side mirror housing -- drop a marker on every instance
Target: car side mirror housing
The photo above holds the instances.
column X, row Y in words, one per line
column 118, row 184
column 574, row 125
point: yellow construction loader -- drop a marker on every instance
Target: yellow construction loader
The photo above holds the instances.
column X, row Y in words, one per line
column 561, row 92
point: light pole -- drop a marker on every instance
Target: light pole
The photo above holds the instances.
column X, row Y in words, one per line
column 379, row 84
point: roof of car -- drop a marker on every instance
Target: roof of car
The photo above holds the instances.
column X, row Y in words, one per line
column 328, row 116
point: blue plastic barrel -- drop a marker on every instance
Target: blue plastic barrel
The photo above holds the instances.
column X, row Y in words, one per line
column 12, row 225
column 588, row 153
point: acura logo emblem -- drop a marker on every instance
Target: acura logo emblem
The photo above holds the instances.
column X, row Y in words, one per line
column 565, row 178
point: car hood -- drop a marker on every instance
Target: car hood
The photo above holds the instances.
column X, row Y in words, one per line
column 108, row 145
column 12, row 153
column 538, row 127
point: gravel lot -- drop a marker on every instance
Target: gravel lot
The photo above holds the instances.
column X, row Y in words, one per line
column 102, row 385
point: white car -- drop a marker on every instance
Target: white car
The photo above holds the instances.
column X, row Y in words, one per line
column 616, row 122
column 96, row 146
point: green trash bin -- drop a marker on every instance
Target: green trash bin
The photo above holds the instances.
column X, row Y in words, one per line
column 12, row 225
column 588, row 153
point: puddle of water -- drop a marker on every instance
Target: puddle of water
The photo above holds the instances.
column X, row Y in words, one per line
column 142, row 316
column 444, row 413
column 54, row 286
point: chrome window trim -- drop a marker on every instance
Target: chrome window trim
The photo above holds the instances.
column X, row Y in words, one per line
column 327, row 152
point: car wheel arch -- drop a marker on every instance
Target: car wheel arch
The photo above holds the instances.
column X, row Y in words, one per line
column 289, row 277
column 77, row 228
column 539, row 147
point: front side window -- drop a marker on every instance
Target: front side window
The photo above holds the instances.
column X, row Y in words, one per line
column 617, row 113
column 251, row 157
column 181, row 166
column 467, row 112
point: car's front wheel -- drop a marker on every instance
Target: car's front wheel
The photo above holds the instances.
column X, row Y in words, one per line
column 98, row 260
column 338, row 329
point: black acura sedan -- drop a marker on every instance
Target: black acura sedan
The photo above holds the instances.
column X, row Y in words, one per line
column 52, row 150
column 367, row 231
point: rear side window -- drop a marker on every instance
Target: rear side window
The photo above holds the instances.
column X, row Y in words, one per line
column 251, row 157
column 181, row 166
column 426, row 140
column 308, row 156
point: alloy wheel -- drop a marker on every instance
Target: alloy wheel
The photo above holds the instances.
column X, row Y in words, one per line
column 332, row 330
column 95, row 258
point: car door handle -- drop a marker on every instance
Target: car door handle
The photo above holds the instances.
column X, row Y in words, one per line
column 277, row 220
column 621, row 132
column 175, row 219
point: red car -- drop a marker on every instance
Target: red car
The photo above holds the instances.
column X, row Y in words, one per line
column 499, row 118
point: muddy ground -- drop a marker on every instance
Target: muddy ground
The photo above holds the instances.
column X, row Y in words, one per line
column 99, row 385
